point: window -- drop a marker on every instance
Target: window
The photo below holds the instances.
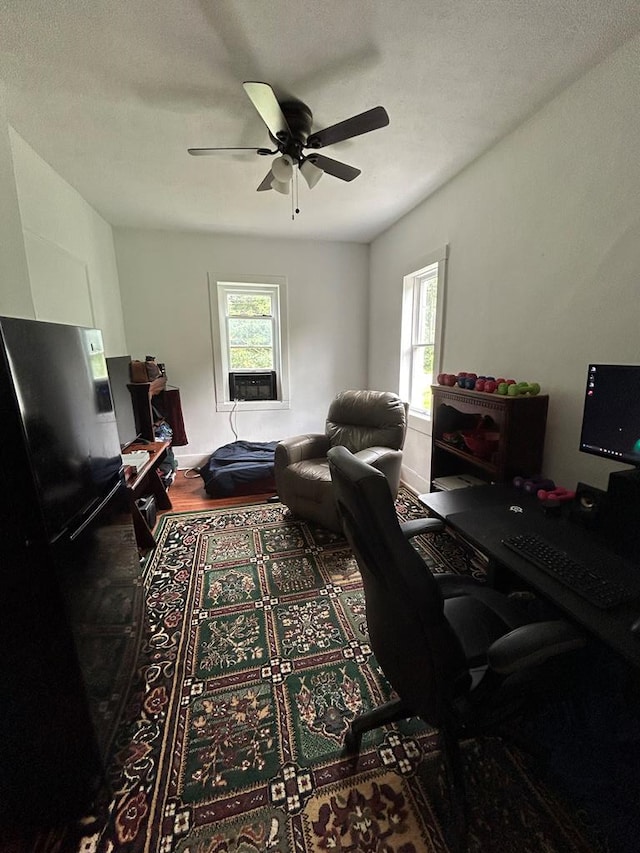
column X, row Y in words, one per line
column 248, row 321
column 423, row 296
column 250, row 316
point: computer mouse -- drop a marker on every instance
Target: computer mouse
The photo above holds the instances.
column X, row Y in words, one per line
column 635, row 627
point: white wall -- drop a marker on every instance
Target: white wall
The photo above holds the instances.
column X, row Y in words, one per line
column 69, row 250
column 163, row 280
column 544, row 265
column 15, row 294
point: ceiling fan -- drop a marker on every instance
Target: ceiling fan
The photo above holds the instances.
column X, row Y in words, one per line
column 289, row 125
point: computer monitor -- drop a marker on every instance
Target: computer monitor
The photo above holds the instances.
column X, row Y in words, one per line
column 118, row 368
column 611, row 418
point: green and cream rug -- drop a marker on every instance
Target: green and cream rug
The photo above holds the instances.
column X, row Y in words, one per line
column 256, row 659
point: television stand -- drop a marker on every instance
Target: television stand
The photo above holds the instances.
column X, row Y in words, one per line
column 146, row 481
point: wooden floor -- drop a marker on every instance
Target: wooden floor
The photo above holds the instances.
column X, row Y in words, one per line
column 188, row 494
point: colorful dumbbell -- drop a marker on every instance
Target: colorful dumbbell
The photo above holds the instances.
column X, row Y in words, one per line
column 533, row 484
column 558, row 494
column 532, row 487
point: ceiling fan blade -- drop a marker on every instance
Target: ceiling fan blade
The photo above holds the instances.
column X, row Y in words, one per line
column 266, row 183
column 354, row 126
column 203, row 152
column 264, row 100
column 334, row 167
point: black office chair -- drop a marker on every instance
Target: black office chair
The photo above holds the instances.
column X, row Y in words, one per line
column 459, row 655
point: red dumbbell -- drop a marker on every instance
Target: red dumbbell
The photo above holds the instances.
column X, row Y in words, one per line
column 559, row 494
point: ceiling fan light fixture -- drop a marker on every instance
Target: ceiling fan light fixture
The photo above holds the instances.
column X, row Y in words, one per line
column 311, row 173
column 282, row 168
column 289, row 124
column 280, row 186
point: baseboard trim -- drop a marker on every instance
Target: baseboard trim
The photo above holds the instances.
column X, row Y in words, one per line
column 188, row 460
column 413, row 481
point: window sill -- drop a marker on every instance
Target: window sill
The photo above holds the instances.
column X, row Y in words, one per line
column 420, row 422
column 253, row 405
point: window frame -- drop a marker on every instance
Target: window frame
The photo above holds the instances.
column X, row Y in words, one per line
column 276, row 287
column 420, row 418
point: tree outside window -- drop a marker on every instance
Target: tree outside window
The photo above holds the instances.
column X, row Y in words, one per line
column 250, row 334
column 425, row 295
column 250, row 331
column 421, row 331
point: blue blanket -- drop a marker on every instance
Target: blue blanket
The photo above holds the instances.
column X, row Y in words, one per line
column 232, row 466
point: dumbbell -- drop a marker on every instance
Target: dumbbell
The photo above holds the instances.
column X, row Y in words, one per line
column 520, row 482
column 557, row 494
column 532, row 484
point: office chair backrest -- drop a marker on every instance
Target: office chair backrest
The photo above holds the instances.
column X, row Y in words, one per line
column 410, row 637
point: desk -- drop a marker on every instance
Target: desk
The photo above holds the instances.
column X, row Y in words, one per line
column 146, row 481
column 483, row 516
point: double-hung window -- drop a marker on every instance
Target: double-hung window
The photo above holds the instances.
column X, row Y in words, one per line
column 249, row 328
column 423, row 298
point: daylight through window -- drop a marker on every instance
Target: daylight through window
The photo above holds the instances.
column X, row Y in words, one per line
column 421, row 325
column 250, row 320
column 249, row 328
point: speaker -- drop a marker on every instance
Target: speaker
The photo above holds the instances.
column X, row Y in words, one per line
column 589, row 506
column 622, row 520
column 147, row 507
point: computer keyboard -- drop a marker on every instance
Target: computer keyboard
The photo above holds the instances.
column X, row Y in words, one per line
column 584, row 580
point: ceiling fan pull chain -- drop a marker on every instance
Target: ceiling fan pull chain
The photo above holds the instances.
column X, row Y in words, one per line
column 294, row 193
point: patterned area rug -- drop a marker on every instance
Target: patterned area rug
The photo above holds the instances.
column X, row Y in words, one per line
column 255, row 661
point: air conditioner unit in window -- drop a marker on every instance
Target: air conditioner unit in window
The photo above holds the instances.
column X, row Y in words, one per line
column 258, row 385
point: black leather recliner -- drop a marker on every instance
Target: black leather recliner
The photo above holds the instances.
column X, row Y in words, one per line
column 371, row 424
column 459, row 654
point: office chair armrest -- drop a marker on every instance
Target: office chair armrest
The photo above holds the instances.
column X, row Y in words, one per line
column 451, row 585
column 296, row 448
column 533, row 644
column 418, row 526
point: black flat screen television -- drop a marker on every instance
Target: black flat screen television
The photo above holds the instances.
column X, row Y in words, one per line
column 119, row 369
column 57, row 378
column 611, row 417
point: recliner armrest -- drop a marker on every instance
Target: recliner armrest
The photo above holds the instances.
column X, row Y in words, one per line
column 385, row 460
column 300, row 447
column 533, row 644
column 373, row 455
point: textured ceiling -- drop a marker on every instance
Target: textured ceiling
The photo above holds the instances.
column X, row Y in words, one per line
column 111, row 93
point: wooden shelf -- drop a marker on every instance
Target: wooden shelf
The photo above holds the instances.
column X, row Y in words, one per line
column 146, row 481
column 519, row 421
column 476, row 461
